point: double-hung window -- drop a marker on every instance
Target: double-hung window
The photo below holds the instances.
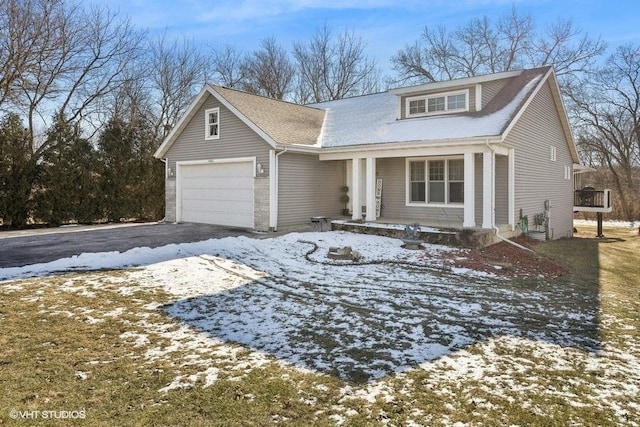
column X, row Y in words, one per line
column 212, row 123
column 455, row 180
column 417, row 181
column 435, row 181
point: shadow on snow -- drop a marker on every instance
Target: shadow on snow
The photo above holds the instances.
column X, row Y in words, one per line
column 371, row 321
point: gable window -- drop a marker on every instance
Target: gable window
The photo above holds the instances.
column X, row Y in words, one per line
column 434, row 104
column 435, row 181
column 212, row 123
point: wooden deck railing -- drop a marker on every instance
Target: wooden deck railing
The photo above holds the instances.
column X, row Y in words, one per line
column 591, row 200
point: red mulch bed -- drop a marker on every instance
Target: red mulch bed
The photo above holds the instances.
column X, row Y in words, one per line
column 507, row 260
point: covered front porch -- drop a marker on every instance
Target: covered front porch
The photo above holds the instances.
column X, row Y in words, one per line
column 464, row 187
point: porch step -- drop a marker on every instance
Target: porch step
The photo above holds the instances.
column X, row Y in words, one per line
column 466, row 238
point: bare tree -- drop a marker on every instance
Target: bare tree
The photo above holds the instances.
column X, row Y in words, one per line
column 269, row 71
column 178, row 72
column 564, row 46
column 227, row 66
column 606, row 107
column 331, row 68
column 482, row 47
column 61, row 58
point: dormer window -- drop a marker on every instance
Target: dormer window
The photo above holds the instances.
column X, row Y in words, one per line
column 212, row 123
column 425, row 105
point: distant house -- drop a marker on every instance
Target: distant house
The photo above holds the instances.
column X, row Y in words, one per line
column 479, row 153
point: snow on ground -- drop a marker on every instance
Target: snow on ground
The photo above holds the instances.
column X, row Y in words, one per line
column 395, row 312
column 631, row 225
column 377, row 318
column 381, row 318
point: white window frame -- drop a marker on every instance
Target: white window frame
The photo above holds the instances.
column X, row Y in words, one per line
column 207, row 135
column 444, row 95
column 552, row 153
column 426, row 203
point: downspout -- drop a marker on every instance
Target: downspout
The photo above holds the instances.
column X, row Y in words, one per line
column 276, row 186
column 493, row 225
column 166, row 175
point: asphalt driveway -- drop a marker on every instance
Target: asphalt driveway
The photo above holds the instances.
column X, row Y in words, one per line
column 25, row 247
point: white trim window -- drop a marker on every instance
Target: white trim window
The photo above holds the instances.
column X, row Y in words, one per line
column 417, row 182
column 448, row 102
column 435, row 181
column 552, row 153
column 212, row 123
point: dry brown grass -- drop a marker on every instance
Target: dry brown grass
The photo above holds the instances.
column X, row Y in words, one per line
column 63, row 350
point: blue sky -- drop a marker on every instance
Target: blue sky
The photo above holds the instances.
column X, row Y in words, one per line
column 386, row 25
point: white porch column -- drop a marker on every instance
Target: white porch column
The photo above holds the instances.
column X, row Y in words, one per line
column 488, row 188
column 356, row 203
column 370, row 183
column 512, row 189
column 469, row 191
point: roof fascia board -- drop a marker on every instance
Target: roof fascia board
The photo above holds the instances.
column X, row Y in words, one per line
column 562, row 113
column 564, row 118
column 475, row 145
column 193, row 107
column 532, row 95
column 241, row 116
column 299, row 148
column 456, row 82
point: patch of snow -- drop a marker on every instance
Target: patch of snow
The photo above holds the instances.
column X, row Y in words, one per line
column 82, row 375
column 138, row 339
column 631, row 225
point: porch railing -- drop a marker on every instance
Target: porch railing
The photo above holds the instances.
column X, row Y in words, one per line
column 591, row 200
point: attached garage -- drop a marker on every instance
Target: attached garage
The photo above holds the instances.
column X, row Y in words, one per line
column 216, row 192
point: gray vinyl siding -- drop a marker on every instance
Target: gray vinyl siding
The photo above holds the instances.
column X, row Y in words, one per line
column 393, row 174
column 537, row 178
column 490, row 89
column 308, row 187
column 502, row 190
column 236, row 139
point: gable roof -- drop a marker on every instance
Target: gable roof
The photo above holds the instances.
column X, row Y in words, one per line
column 279, row 123
column 286, row 123
column 372, row 119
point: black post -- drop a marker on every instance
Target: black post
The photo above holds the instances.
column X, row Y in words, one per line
column 600, row 235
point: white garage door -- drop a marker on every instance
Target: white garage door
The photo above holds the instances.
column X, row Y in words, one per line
column 217, row 193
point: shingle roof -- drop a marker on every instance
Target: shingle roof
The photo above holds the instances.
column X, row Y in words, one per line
column 284, row 122
column 372, row 119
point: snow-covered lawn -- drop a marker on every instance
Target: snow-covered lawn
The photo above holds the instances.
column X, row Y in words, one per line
column 396, row 322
